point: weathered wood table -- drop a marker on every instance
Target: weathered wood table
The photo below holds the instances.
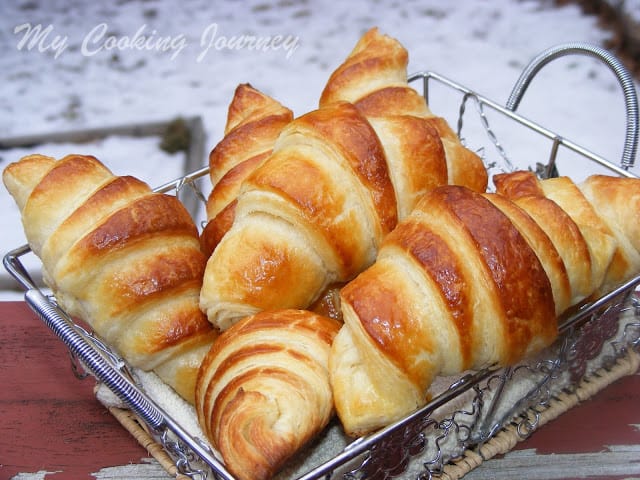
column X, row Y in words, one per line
column 52, row 426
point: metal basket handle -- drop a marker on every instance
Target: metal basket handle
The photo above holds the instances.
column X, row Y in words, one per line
column 104, row 372
column 624, row 77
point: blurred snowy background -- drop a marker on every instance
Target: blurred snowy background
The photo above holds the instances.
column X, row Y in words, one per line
column 68, row 65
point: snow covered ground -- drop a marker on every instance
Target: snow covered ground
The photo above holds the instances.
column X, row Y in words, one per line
column 75, row 64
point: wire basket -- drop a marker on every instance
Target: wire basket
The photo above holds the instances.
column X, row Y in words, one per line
column 469, row 418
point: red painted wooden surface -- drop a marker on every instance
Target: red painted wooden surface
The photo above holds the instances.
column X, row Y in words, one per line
column 51, row 421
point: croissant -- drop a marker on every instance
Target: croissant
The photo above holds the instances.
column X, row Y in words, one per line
column 314, row 212
column 254, row 121
column 263, row 390
column 468, row 280
column 125, row 260
column 374, row 78
column 310, row 215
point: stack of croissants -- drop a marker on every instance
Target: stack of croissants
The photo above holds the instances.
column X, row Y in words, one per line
column 350, row 256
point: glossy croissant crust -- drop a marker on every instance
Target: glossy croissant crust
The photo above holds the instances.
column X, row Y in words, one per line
column 125, row 260
column 469, row 279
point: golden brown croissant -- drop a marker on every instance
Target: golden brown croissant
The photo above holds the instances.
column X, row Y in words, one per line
column 263, row 390
column 469, row 280
column 314, row 212
column 254, row 121
column 125, row 260
column 374, row 78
